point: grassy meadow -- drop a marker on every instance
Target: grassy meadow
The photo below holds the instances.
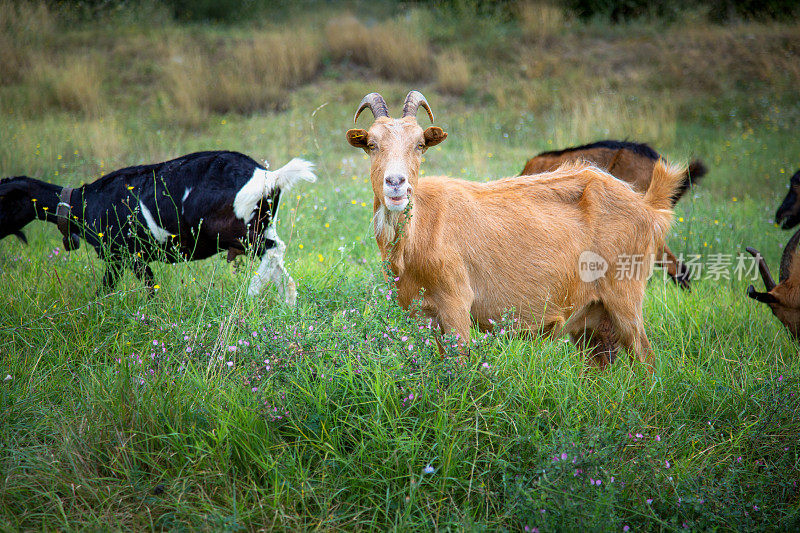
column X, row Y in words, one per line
column 201, row 409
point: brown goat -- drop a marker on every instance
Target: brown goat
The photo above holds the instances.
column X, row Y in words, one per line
column 518, row 244
column 789, row 210
column 784, row 298
column 632, row 163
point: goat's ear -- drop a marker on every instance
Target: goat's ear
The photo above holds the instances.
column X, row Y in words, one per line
column 358, row 138
column 763, row 297
column 434, row 135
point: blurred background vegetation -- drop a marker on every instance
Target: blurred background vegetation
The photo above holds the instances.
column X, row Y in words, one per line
column 308, row 426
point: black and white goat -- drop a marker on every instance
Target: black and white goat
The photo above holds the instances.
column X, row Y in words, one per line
column 188, row 208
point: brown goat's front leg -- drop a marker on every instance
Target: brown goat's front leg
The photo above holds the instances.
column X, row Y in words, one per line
column 456, row 322
column 677, row 271
column 452, row 314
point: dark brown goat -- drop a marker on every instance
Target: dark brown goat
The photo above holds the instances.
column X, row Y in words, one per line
column 784, row 298
column 789, row 210
column 630, row 162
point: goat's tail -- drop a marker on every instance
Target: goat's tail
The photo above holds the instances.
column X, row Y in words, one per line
column 665, row 183
column 692, row 175
column 294, row 171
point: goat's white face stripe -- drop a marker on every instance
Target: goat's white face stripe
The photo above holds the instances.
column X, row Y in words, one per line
column 248, row 197
column 158, row 232
column 392, row 194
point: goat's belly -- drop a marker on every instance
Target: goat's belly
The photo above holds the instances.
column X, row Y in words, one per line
column 534, row 311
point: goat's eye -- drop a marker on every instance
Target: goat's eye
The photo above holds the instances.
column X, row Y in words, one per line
column 421, row 146
column 372, row 146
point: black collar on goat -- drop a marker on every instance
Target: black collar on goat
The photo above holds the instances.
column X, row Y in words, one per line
column 65, row 225
column 189, row 208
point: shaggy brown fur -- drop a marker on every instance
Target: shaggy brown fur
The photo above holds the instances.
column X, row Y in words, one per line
column 481, row 249
column 784, row 298
column 632, row 163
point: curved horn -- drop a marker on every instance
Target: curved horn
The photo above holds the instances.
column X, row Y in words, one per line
column 375, row 103
column 763, row 268
column 413, row 101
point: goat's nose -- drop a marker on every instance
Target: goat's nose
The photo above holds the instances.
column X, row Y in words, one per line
column 395, row 180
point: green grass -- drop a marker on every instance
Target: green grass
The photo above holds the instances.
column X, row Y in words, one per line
column 203, row 409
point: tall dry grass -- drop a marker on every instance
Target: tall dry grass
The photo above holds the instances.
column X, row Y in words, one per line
column 73, row 83
column 78, row 86
column 14, row 59
column 347, row 38
column 32, row 20
column 452, row 73
column 392, row 48
column 22, row 25
column 540, row 21
column 243, row 76
column 588, row 116
column 186, row 81
column 53, row 147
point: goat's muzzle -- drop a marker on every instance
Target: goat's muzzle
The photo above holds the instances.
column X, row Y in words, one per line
column 397, row 197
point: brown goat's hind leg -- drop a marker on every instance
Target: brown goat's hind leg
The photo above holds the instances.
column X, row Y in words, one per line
column 644, row 352
column 600, row 350
column 628, row 323
column 636, row 342
column 593, row 333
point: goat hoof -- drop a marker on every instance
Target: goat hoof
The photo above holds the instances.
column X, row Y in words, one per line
column 751, row 291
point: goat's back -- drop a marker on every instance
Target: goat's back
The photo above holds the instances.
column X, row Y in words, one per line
column 520, row 239
column 624, row 164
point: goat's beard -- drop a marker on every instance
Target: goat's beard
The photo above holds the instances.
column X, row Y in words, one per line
column 387, row 222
